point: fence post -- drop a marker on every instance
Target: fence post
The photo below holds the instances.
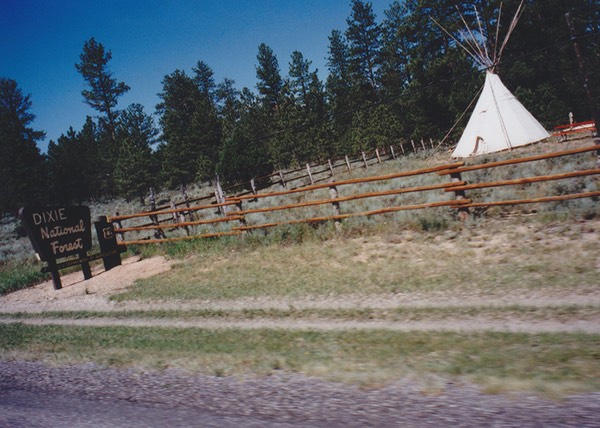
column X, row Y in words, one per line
column 413, row 144
column 108, row 242
column 253, row 187
column 402, row 147
column 330, row 166
column 190, row 214
column 220, row 196
column 174, row 214
column 179, row 218
column 364, row 159
column 378, row 157
column 335, row 205
column 120, row 226
column 282, row 179
column 158, row 233
column 348, row 163
column 392, row 152
column 310, row 177
column 432, row 145
column 423, row 144
column 463, row 212
column 239, row 208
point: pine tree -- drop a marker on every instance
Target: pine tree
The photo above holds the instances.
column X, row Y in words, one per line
column 102, row 95
column 91, row 161
column 244, row 154
column 191, row 128
column 306, row 112
column 204, row 78
column 104, row 89
column 135, row 172
column 429, row 80
column 269, row 78
column 364, row 39
column 339, row 89
column 178, row 106
column 68, row 178
column 228, row 105
column 22, row 167
column 75, row 165
column 300, row 77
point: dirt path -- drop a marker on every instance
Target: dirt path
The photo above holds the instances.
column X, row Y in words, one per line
column 472, row 324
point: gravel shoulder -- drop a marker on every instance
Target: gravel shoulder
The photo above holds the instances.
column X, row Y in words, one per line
column 294, row 400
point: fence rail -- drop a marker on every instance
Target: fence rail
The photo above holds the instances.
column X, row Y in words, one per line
column 527, row 180
column 451, row 203
column 521, row 160
column 395, row 198
column 534, row 200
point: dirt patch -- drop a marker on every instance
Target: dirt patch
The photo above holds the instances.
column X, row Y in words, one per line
column 474, row 324
column 79, row 294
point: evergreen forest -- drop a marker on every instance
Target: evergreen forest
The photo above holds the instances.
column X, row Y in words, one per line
column 389, row 79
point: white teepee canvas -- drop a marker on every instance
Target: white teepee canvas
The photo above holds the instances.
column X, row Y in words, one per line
column 499, row 122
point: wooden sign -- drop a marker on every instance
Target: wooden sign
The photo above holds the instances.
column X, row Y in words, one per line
column 58, row 232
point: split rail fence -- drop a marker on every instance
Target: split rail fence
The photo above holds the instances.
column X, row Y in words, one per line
column 322, row 200
column 289, row 179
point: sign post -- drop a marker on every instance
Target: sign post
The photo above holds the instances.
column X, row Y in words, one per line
column 108, row 243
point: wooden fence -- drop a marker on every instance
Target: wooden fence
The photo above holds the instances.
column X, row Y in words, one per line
column 311, row 172
column 252, row 210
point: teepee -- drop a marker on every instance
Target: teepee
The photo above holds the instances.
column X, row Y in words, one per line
column 499, row 121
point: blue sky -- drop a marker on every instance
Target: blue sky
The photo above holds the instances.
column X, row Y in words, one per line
column 41, row 40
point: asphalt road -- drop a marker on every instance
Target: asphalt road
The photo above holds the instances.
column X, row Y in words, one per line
column 34, row 394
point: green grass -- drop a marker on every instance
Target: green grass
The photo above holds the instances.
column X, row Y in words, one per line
column 546, row 363
column 396, row 314
column 20, row 276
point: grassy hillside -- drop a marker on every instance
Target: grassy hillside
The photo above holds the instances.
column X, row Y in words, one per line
column 18, row 266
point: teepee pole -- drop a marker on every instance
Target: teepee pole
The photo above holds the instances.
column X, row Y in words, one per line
column 495, row 59
column 473, row 41
column 511, row 28
column 467, row 50
column 487, row 54
column 500, row 118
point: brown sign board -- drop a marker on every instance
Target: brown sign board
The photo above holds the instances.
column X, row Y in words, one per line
column 57, row 232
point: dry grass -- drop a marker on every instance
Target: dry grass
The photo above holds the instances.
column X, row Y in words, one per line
column 501, row 257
